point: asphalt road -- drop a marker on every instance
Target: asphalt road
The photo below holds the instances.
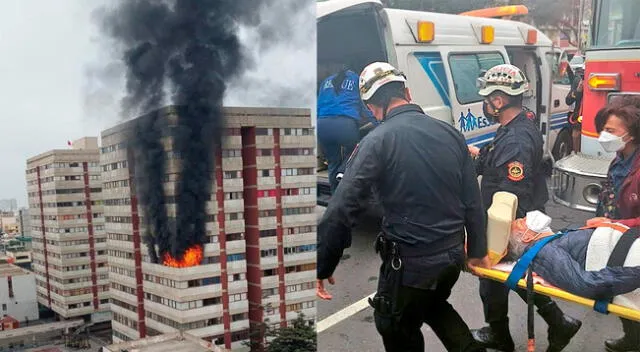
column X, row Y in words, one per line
column 356, row 278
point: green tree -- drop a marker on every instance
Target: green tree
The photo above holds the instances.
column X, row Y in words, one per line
column 299, row 336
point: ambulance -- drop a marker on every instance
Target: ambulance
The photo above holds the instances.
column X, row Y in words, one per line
column 442, row 56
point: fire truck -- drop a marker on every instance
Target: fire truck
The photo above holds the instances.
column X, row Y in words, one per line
column 612, row 68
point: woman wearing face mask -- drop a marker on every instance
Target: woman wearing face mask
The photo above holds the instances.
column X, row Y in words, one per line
column 619, row 128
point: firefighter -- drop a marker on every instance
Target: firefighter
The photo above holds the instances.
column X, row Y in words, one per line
column 339, row 113
column 429, row 196
column 575, row 116
column 512, row 162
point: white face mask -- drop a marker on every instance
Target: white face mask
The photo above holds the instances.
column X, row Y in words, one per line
column 610, row 142
column 538, row 222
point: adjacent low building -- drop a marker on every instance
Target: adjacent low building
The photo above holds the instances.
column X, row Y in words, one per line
column 18, row 293
column 69, row 243
column 259, row 255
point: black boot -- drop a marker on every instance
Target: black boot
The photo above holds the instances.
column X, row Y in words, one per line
column 630, row 342
column 561, row 327
column 495, row 336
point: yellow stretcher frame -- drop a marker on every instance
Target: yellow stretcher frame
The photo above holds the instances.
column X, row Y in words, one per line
column 502, row 276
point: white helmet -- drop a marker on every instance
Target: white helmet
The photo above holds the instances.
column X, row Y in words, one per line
column 505, row 78
column 376, row 75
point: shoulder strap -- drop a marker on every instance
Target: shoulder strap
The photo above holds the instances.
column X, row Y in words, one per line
column 617, row 258
column 526, row 259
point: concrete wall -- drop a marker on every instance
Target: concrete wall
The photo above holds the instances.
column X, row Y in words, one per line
column 23, row 305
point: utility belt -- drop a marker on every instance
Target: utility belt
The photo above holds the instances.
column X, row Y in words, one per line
column 385, row 301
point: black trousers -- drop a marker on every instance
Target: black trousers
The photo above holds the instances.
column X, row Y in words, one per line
column 631, row 330
column 495, row 300
column 420, row 306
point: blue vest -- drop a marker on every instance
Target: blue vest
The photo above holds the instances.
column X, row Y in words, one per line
column 346, row 103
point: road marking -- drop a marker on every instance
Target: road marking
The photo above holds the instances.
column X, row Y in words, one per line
column 343, row 314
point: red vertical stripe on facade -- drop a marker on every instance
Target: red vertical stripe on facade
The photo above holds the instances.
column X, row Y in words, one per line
column 279, row 232
column 222, row 240
column 44, row 237
column 92, row 246
column 252, row 236
column 137, row 257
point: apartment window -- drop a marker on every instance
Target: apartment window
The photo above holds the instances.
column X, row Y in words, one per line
column 269, row 272
column 268, row 253
column 267, row 213
column 267, row 193
column 231, row 153
column 232, row 174
column 264, row 152
column 268, row 233
column 264, row 131
column 4, row 307
column 267, row 173
column 296, row 131
column 296, row 151
column 235, row 257
column 235, row 236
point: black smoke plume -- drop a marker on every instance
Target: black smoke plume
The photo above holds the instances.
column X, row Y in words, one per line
column 189, row 48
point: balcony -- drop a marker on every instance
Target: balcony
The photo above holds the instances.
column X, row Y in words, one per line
column 267, row 182
column 270, row 222
column 268, row 262
column 299, row 277
column 270, row 281
column 210, row 330
column 238, row 307
column 301, row 179
column 232, row 163
column 184, row 316
column 300, row 219
column 299, row 258
column 298, row 160
column 300, row 296
column 183, row 294
column 181, row 274
column 300, row 239
column 298, row 141
column 266, row 203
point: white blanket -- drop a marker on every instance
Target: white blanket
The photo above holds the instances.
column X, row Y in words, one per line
column 602, row 243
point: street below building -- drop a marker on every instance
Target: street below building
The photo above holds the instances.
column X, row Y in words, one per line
column 356, row 278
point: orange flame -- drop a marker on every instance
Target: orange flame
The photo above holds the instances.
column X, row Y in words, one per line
column 191, row 257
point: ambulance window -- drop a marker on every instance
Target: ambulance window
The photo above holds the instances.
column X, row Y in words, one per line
column 465, row 69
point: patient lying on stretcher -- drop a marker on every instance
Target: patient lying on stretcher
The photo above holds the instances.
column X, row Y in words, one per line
column 576, row 262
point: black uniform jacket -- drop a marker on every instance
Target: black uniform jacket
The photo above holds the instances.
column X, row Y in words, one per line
column 512, row 162
column 428, row 188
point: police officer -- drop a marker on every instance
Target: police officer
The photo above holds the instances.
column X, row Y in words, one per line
column 575, row 116
column 340, row 111
column 512, row 162
column 425, row 178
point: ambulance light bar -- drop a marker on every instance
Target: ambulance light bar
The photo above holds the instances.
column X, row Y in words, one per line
column 512, row 10
column 426, row 31
column 604, row 81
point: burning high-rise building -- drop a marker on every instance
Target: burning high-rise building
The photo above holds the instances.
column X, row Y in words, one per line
column 219, row 268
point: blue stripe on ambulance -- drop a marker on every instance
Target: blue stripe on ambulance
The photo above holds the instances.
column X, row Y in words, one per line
column 434, row 67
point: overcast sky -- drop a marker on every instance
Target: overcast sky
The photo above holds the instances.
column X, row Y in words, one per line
column 49, row 48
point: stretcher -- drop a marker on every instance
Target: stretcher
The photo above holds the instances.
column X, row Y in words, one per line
column 500, row 216
column 501, row 276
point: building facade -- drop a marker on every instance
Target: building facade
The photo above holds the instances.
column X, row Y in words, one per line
column 24, row 222
column 69, row 254
column 18, row 293
column 259, row 257
column 10, row 205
